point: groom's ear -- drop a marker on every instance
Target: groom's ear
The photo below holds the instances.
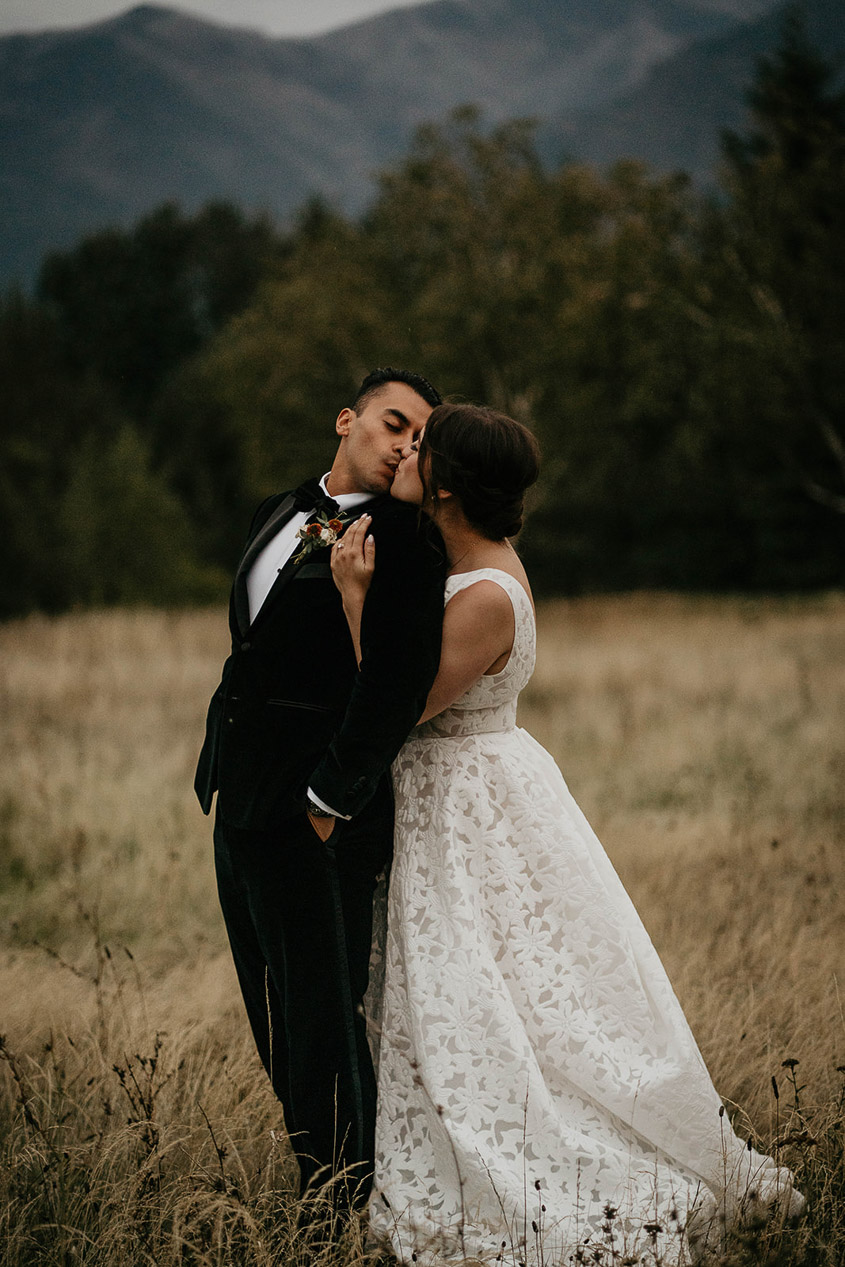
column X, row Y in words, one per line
column 344, row 420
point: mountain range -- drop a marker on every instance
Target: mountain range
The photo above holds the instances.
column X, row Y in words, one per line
column 101, row 123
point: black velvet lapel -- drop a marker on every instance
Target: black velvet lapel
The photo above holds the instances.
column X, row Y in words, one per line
column 276, row 520
column 292, row 569
column 285, row 509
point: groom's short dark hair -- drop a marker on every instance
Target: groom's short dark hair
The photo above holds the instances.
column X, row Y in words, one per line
column 376, row 379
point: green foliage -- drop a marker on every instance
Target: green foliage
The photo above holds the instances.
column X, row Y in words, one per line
column 83, row 516
column 125, row 536
column 782, row 257
column 462, row 238
column 47, row 411
column 133, row 305
column 681, row 362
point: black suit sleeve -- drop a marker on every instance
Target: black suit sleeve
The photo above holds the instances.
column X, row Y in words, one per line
column 400, row 653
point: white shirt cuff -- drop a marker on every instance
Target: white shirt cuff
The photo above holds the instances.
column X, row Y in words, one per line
column 322, row 804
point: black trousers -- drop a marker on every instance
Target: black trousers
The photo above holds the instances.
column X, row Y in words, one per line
column 299, row 917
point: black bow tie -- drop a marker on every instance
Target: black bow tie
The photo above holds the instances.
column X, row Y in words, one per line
column 311, row 498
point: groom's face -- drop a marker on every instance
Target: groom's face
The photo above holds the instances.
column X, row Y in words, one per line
column 372, row 439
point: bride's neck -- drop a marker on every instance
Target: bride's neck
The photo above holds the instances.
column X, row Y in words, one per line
column 466, row 547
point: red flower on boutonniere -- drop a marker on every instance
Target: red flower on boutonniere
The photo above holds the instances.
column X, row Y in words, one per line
column 319, row 534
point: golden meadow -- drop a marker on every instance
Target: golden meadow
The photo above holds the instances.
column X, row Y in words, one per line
column 703, row 738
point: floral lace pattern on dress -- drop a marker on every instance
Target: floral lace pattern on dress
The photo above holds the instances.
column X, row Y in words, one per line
column 535, row 1064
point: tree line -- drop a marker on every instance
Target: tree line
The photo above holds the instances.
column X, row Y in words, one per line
column 679, row 355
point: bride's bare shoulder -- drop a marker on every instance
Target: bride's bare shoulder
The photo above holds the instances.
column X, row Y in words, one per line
column 511, row 565
column 482, row 595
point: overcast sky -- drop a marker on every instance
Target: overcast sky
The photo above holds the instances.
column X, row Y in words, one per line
column 276, row 17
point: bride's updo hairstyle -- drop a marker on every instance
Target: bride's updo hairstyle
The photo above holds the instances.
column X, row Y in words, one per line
column 483, row 458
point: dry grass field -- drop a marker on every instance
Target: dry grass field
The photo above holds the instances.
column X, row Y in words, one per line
column 704, row 740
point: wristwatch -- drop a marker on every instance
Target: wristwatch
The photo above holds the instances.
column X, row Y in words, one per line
column 317, row 810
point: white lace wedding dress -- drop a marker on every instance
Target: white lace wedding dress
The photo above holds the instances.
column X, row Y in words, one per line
column 535, row 1066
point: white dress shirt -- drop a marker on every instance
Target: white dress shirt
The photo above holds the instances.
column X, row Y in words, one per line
column 274, row 556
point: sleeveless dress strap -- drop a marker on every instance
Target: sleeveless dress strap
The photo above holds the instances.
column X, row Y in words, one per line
column 512, row 587
column 520, row 664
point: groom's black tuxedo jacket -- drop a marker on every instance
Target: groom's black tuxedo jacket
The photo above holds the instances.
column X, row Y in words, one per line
column 292, row 709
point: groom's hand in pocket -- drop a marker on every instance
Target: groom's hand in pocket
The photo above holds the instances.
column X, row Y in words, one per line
column 322, row 825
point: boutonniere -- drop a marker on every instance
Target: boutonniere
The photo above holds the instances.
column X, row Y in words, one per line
column 319, row 534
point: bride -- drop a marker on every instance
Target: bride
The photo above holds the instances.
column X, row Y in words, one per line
column 541, row 1098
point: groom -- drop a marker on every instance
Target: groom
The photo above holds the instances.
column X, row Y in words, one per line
column 298, row 746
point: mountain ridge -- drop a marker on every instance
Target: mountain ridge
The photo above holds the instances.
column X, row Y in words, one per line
column 715, row 74
column 100, row 123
